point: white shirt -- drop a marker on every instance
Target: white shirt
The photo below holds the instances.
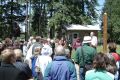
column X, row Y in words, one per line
column 94, row 41
column 28, row 56
column 42, row 62
column 47, row 48
column 25, row 49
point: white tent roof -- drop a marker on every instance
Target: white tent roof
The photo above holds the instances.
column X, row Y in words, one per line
column 83, row 27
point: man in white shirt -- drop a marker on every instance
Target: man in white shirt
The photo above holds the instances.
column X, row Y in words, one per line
column 94, row 40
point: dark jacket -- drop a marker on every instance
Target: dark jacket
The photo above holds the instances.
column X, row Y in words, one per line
column 60, row 69
column 10, row 72
column 24, row 68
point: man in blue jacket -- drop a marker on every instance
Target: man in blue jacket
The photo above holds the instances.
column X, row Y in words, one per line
column 60, row 68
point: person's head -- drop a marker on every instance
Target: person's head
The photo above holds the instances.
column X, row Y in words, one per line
column 33, row 40
column 86, row 40
column 37, row 50
column 8, row 56
column 103, row 62
column 18, row 54
column 99, row 61
column 52, row 41
column 8, row 42
column 16, row 44
column 112, row 47
column 67, row 51
column 78, row 39
column 38, row 38
column 48, row 41
column 25, row 43
column 60, row 51
column 45, row 50
column 92, row 34
column 30, row 39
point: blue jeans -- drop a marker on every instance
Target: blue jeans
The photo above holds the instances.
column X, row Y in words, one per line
column 82, row 76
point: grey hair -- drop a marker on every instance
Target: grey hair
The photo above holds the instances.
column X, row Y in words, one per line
column 60, row 51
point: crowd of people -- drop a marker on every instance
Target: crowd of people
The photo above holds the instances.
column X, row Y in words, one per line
column 47, row 59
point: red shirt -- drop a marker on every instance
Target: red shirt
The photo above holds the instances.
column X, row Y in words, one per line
column 116, row 56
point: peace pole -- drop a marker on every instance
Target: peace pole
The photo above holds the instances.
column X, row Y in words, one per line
column 105, row 33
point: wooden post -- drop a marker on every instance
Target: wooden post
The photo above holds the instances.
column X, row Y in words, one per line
column 105, row 33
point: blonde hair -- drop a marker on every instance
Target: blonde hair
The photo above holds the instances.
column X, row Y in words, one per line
column 7, row 55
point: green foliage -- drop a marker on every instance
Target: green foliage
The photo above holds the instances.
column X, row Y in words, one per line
column 39, row 23
column 112, row 8
column 65, row 12
column 53, row 14
column 10, row 14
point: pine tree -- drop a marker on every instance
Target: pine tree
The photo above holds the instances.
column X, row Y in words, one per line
column 112, row 9
column 39, row 23
column 67, row 12
column 11, row 13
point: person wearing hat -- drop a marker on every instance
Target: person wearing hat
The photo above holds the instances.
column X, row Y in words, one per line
column 84, row 55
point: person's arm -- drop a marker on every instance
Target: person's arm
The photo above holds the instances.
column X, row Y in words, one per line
column 73, row 75
column 37, row 64
column 28, row 71
column 94, row 52
column 94, row 41
column 76, row 56
column 47, row 74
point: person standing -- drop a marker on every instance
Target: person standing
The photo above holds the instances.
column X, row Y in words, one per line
column 84, row 55
column 21, row 65
column 115, row 60
column 112, row 50
column 60, row 68
column 25, row 49
column 30, row 53
column 94, row 40
column 99, row 72
column 7, row 70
